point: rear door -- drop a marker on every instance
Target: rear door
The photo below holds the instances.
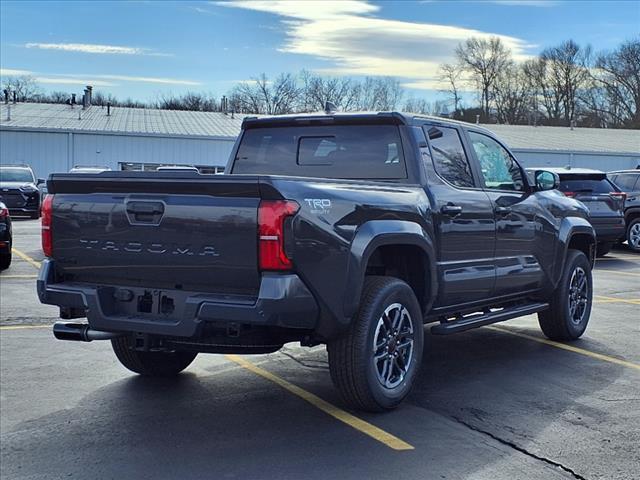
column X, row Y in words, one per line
column 521, row 241
column 463, row 218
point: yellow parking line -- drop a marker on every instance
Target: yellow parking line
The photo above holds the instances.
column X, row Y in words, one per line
column 18, row 276
column 619, row 272
column 23, row 327
column 570, row 348
column 374, row 432
column 26, row 258
column 603, row 299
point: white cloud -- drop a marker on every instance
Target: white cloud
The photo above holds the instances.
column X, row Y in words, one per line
column 526, row 3
column 95, row 80
column 354, row 41
column 95, row 48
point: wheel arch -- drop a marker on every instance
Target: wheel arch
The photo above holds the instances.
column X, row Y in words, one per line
column 390, row 247
column 576, row 234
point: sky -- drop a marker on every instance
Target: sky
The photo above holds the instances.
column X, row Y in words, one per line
column 143, row 49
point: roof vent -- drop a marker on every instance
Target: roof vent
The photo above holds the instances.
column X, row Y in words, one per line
column 330, row 107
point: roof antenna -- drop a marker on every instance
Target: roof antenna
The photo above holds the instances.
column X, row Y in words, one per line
column 330, row 107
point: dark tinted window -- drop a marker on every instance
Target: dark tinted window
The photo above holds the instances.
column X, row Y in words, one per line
column 585, row 184
column 627, row 181
column 338, row 151
column 449, row 158
column 499, row 170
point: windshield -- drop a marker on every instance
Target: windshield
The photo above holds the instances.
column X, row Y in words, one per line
column 15, row 175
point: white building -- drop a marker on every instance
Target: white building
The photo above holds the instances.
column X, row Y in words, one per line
column 54, row 138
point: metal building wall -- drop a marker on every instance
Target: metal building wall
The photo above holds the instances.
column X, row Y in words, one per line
column 599, row 161
column 49, row 152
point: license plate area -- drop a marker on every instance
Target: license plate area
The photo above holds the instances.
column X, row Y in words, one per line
column 148, row 303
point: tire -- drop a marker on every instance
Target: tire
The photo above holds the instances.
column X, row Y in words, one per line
column 633, row 235
column 561, row 321
column 354, row 371
column 152, row 364
column 5, row 261
column 603, row 248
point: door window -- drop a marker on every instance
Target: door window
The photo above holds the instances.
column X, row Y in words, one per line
column 449, row 158
column 499, row 170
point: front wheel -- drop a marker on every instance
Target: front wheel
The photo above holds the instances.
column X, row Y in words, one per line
column 153, row 364
column 633, row 235
column 570, row 306
column 375, row 363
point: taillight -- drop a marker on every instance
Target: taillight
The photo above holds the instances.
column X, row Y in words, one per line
column 47, row 244
column 619, row 195
column 4, row 212
column 271, row 218
column 569, row 194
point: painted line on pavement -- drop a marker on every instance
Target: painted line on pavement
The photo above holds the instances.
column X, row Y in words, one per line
column 26, row 258
column 570, row 348
column 619, row 272
column 362, row 426
column 18, row 276
column 603, row 299
column 23, row 327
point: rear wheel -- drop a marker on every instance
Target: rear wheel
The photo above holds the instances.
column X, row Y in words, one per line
column 633, row 234
column 374, row 364
column 154, row 364
column 5, row 260
column 570, row 307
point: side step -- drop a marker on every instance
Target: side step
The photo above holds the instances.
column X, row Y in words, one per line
column 479, row 320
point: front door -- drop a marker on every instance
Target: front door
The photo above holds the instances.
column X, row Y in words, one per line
column 520, row 241
column 463, row 219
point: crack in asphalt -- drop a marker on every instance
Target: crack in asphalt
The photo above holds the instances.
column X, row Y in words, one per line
column 303, row 363
column 519, row 449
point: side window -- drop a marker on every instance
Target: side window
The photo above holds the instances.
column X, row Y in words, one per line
column 627, row 181
column 499, row 170
column 449, row 158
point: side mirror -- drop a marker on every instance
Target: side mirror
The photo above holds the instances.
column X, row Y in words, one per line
column 546, row 180
column 40, row 181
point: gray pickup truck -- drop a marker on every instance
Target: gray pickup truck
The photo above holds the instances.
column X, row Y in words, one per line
column 350, row 230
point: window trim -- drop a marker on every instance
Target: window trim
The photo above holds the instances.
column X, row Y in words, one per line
column 525, row 179
column 462, row 139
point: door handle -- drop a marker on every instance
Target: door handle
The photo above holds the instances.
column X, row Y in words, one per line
column 502, row 210
column 451, row 210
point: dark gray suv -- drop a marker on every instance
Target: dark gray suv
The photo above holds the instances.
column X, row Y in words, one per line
column 628, row 181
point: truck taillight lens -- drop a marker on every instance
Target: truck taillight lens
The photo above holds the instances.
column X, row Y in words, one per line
column 272, row 215
column 47, row 244
column 4, row 212
column 570, row 194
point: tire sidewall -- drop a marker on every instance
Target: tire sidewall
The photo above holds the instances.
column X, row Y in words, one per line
column 578, row 259
column 635, row 221
column 397, row 292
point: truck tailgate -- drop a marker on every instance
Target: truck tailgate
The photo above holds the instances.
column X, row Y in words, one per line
column 155, row 230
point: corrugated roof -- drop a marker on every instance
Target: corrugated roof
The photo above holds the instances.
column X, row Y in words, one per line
column 142, row 121
column 147, row 121
column 602, row 140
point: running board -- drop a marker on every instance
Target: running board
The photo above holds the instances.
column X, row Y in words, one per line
column 455, row 326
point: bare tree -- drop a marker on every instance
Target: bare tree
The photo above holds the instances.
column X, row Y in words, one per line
column 484, row 59
column 451, row 75
column 317, row 90
column 568, row 67
column 512, row 95
column 268, row 97
column 618, row 75
column 24, row 86
column 417, row 105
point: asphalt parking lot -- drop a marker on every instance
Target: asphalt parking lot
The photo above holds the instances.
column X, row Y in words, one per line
column 494, row 403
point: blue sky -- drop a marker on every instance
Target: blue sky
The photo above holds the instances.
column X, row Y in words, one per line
column 141, row 49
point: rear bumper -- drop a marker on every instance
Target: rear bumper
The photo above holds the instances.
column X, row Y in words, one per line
column 608, row 229
column 283, row 301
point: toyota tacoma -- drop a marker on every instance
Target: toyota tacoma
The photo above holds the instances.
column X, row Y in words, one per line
column 350, row 230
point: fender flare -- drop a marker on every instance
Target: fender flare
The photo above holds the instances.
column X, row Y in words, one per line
column 374, row 234
column 570, row 227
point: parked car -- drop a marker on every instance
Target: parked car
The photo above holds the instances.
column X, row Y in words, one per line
column 350, row 230
column 89, row 169
column 603, row 199
column 19, row 190
column 628, row 181
column 6, row 238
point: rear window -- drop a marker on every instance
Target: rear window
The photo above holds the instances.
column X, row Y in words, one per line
column 627, row 181
column 336, row 151
column 585, row 184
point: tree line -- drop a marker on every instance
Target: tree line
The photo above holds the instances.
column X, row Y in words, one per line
column 567, row 84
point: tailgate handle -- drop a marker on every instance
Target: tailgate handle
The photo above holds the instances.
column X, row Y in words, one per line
column 145, row 212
